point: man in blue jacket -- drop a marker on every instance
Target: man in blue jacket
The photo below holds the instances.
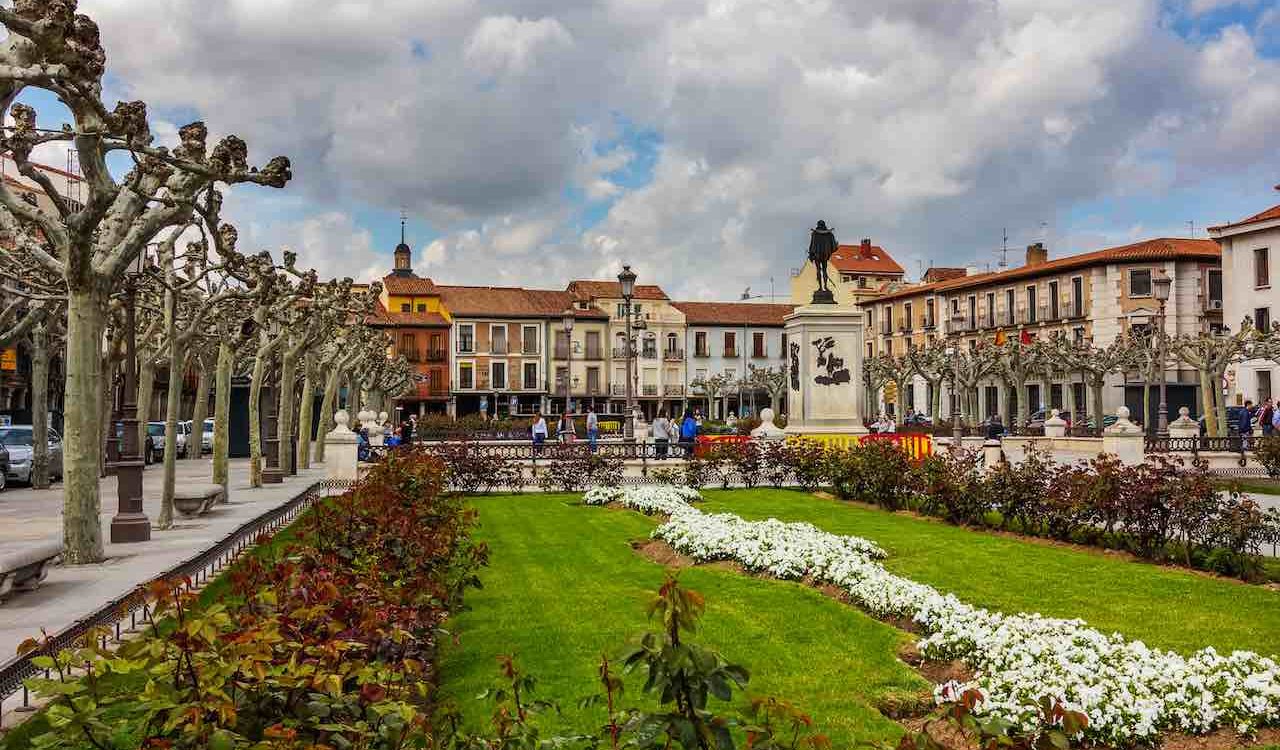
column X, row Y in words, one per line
column 1245, row 425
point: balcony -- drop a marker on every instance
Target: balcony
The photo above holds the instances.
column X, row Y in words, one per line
column 436, row 355
column 961, row 324
column 618, row 389
column 530, row 350
column 411, row 355
column 595, row 389
column 619, row 352
column 648, row 390
column 649, row 353
column 673, row 390
column 701, row 353
column 887, row 328
column 928, row 324
column 466, row 346
column 594, row 352
column 673, row 355
column 1211, row 305
column 904, row 326
column 1076, row 309
column 759, row 354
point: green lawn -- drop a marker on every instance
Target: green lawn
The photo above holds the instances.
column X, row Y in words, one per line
column 1163, row 607
column 563, row 587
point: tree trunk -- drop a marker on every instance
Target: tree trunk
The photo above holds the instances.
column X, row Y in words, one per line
column 1218, row 376
column 81, row 448
column 935, row 401
column 326, row 410
column 40, row 406
column 199, row 410
column 1023, row 414
column 222, row 413
column 146, row 387
column 1146, row 406
column 353, row 398
column 1099, row 411
column 255, row 426
column 1206, row 401
column 305, row 413
column 173, row 403
column 284, row 424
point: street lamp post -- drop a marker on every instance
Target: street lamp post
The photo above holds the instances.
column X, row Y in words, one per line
column 956, row 432
column 567, row 324
column 130, row 523
column 627, row 280
column 1161, row 287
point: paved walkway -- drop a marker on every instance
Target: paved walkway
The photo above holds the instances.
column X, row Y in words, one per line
column 71, row 592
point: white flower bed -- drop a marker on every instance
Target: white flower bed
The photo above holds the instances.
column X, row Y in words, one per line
column 1128, row 691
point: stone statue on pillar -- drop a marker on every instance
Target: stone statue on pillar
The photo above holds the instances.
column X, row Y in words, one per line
column 822, row 245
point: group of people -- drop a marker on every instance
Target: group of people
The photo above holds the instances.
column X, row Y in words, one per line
column 566, row 429
column 1267, row 416
column 664, row 431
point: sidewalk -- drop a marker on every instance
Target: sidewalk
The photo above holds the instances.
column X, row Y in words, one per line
column 70, row 593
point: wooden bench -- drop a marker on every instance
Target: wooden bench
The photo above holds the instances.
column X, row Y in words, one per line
column 25, row 566
column 197, row 499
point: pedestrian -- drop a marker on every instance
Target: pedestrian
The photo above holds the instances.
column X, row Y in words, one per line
column 661, row 434
column 995, row 428
column 539, row 431
column 1265, row 419
column 889, row 425
column 1275, row 420
column 1245, row 423
column 565, row 429
column 688, row 433
column 593, row 427
column 406, row 432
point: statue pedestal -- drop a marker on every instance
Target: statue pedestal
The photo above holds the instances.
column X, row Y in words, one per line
column 824, row 370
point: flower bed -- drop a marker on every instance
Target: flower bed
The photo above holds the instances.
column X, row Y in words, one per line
column 1129, row 692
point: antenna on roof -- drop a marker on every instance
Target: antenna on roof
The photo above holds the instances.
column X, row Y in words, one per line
column 1192, row 226
column 746, row 294
column 1004, row 249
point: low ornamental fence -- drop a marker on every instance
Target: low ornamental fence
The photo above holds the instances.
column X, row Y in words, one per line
column 1202, row 444
column 133, row 608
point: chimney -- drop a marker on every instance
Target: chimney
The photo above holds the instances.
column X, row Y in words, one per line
column 970, row 270
column 1037, row 255
column 865, row 248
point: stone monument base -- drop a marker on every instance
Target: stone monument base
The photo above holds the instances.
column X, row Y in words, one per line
column 824, row 361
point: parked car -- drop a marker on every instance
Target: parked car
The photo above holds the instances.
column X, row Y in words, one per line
column 155, row 434
column 17, row 440
column 206, row 437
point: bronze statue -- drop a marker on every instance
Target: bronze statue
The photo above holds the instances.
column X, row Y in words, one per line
column 822, row 245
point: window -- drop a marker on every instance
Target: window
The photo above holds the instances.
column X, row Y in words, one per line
column 673, row 343
column 436, row 380
column 1077, row 297
column 466, row 375
column 1264, row 385
column 1261, row 267
column 972, row 322
column 700, row 344
column 906, row 317
column 650, row 345
column 871, row 319
column 955, row 306
column 498, row 376
column 1053, row 300
column 1214, row 283
column 562, row 345
column 622, row 311
column 730, row 344
column 530, row 380
column 1009, row 306
column 991, row 309
column 409, row 347
column 422, row 307
column 1077, row 336
column 758, row 347
column 529, row 339
column 406, row 307
column 593, row 345
column 593, row 380
column 436, row 349
column 1140, row 282
column 498, row 339
column 1262, row 318
column 929, row 319
column 1031, row 304
column 466, row 338
column 862, row 282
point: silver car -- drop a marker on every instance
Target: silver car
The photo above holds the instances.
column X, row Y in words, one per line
column 17, row 439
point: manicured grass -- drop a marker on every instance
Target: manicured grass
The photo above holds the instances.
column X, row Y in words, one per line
column 1256, row 486
column 563, row 587
column 1164, row 607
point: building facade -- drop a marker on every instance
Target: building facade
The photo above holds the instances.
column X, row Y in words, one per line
column 858, row 273
column 730, row 338
column 580, row 358
column 1094, row 297
column 1251, row 290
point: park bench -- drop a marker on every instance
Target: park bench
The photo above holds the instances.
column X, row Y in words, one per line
column 197, row 499
column 23, row 567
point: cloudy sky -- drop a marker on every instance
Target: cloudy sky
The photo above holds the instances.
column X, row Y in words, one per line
column 533, row 141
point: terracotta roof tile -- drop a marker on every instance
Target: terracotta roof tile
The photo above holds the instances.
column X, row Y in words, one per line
column 509, row 302
column 864, row 258
column 733, row 313
column 588, row 290
column 939, row 273
column 407, row 285
column 1163, row 248
column 1268, row 215
column 383, row 317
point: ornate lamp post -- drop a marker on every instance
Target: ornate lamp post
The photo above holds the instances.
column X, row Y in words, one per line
column 130, row 523
column 627, row 280
column 956, row 432
column 1161, row 285
column 566, row 323
column 271, row 472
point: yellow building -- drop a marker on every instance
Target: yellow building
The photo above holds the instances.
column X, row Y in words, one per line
column 858, row 273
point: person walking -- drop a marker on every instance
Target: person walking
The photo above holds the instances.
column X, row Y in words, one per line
column 661, row 434
column 1265, row 419
column 1244, row 424
column 406, row 432
column 565, row 431
column 688, row 433
column 593, row 428
column 539, row 431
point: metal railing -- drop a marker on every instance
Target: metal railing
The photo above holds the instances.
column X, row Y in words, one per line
column 673, row 355
column 1202, row 444
column 133, row 607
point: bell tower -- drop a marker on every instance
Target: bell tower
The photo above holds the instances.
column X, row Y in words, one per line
column 403, row 254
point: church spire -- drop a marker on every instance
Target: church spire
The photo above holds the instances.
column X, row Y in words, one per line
column 403, row 253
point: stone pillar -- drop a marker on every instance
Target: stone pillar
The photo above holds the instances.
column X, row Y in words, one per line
column 1055, row 426
column 375, row 432
column 341, row 451
column 825, row 392
column 992, row 455
column 1125, row 440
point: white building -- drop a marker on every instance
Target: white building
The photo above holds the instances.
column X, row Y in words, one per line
column 1251, row 290
column 729, row 338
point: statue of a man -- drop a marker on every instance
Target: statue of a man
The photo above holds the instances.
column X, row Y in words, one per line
column 822, row 245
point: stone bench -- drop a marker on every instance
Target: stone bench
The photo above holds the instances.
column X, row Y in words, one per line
column 25, row 566
column 197, row 499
